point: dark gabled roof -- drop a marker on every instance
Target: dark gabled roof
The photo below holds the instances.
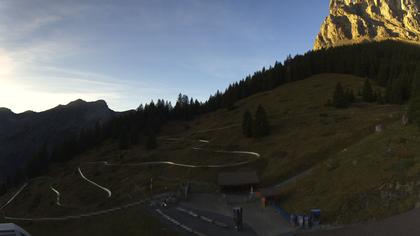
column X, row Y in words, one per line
column 237, row 178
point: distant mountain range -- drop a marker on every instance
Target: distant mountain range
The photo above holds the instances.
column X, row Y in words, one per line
column 355, row 21
column 23, row 134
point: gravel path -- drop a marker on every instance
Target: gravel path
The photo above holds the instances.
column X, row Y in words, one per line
column 255, row 156
column 57, row 201
column 94, row 184
column 14, row 196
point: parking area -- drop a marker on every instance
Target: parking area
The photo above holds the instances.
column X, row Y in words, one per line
column 189, row 221
column 263, row 221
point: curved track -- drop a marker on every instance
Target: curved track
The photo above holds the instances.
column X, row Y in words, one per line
column 171, row 163
column 253, row 154
column 94, row 184
column 216, row 129
column 57, row 201
column 14, row 196
column 109, row 193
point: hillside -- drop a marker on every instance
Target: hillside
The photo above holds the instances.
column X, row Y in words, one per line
column 21, row 135
column 305, row 134
column 373, row 178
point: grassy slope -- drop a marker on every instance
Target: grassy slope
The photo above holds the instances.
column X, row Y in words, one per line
column 304, row 133
column 374, row 178
column 130, row 222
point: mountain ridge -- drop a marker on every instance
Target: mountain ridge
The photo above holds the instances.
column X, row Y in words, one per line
column 23, row 133
column 77, row 102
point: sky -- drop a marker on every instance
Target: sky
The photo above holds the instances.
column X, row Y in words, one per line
column 128, row 52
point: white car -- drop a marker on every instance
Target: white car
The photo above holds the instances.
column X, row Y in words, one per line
column 12, row 230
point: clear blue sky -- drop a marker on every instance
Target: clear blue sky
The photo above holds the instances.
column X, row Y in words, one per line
column 129, row 52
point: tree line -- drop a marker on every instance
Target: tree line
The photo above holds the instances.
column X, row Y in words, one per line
column 136, row 127
column 344, row 97
column 393, row 65
column 257, row 126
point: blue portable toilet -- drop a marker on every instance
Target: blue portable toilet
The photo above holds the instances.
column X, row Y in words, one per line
column 292, row 220
column 299, row 220
column 315, row 216
column 10, row 229
column 306, row 222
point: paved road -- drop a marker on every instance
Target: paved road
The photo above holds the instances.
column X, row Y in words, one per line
column 265, row 221
column 202, row 226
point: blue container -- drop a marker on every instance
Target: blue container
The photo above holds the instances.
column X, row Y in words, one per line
column 299, row 220
column 306, row 222
column 315, row 216
column 293, row 220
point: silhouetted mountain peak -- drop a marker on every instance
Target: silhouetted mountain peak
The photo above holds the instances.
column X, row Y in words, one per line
column 77, row 102
column 82, row 104
column 22, row 134
column 6, row 111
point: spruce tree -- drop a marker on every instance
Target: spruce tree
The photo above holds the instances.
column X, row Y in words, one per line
column 380, row 99
column 367, row 92
column 349, row 96
column 339, row 97
column 247, row 124
column 124, row 140
column 388, row 92
column 397, row 92
column 261, row 124
column 414, row 108
column 38, row 164
column 414, row 105
column 151, row 142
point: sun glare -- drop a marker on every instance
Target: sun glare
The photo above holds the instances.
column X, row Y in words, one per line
column 7, row 64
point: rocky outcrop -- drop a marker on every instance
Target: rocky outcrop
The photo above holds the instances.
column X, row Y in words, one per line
column 355, row 21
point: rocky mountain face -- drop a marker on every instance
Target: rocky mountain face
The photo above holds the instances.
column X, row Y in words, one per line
column 355, row 21
column 23, row 134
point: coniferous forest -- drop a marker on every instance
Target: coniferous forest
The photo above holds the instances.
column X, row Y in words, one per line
column 393, row 65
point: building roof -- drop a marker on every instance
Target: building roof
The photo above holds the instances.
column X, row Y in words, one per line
column 237, row 178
